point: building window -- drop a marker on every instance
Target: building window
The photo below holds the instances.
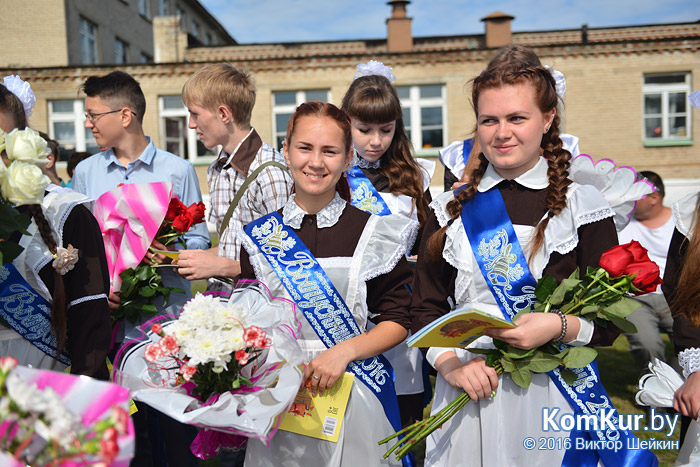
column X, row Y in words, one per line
column 145, row 8
column 284, row 103
column 208, row 39
column 666, row 111
column 67, row 126
column 424, row 114
column 195, row 29
column 176, row 137
column 181, row 15
column 88, row 42
column 121, row 52
column 163, row 8
column 145, row 58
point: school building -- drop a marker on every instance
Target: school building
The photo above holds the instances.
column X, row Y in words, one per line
column 626, row 96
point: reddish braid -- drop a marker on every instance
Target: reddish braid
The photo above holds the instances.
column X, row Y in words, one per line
column 59, row 321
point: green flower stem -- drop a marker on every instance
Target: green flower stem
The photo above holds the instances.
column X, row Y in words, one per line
column 422, row 429
column 612, row 288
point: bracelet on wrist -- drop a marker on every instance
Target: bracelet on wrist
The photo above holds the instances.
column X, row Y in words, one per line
column 564, row 324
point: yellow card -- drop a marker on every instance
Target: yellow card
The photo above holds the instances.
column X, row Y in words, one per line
column 167, row 253
column 321, row 416
column 458, row 328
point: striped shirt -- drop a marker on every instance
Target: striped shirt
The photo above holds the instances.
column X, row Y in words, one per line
column 268, row 192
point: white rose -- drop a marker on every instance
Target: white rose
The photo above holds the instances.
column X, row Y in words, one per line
column 3, row 171
column 24, row 184
column 26, row 146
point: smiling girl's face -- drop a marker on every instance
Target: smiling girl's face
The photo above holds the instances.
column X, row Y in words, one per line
column 316, row 157
column 510, row 127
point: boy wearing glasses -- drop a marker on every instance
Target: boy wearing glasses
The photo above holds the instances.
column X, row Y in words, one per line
column 115, row 106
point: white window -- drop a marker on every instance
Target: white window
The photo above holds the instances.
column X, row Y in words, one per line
column 145, row 8
column 175, row 136
column 284, row 103
column 67, row 126
column 666, row 110
column 424, row 115
column 88, row 42
column 121, row 52
column 163, row 8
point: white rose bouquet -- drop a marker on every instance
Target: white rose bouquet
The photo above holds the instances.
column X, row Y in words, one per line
column 228, row 364
column 21, row 183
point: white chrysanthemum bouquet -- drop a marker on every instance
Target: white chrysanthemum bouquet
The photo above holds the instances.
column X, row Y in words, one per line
column 228, row 364
column 208, row 345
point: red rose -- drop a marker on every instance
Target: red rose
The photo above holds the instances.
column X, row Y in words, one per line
column 182, row 222
column 637, row 250
column 647, row 278
column 196, row 210
column 617, row 258
column 175, row 208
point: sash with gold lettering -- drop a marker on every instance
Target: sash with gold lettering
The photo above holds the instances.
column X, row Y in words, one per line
column 502, row 263
column 27, row 312
column 322, row 305
column 365, row 196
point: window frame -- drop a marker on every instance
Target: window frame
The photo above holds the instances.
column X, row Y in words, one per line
column 414, row 103
column 300, row 98
column 77, row 117
column 144, row 8
column 190, row 152
column 124, row 59
column 666, row 115
column 88, row 41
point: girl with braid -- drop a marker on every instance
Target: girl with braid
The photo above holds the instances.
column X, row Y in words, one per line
column 520, row 183
column 53, row 302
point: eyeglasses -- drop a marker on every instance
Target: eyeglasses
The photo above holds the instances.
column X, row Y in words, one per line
column 92, row 117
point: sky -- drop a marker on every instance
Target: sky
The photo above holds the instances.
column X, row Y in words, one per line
column 256, row 21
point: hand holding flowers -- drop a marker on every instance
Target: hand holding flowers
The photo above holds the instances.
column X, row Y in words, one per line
column 143, row 284
column 601, row 296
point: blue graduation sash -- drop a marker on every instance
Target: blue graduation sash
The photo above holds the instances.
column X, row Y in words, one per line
column 467, row 149
column 503, row 265
column 365, row 196
column 27, row 312
column 322, row 305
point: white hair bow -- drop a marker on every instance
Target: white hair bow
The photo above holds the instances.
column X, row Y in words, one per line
column 22, row 90
column 374, row 67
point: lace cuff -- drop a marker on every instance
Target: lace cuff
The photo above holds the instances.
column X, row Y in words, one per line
column 689, row 360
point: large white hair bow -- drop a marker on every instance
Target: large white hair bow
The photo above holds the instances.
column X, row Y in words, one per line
column 22, row 90
column 374, row 67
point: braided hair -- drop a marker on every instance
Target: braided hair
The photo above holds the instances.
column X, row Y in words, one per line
column 59, row 320
column 502, row 73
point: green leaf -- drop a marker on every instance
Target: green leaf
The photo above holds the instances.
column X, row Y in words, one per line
column 493, row 357
column 566, row 286
column 142, row 273
column 147, row 291
column 149, row 308
column 522, row 377
column 516, row 353
column 568, row 376
column 578, row 357
column 622, row 308
column 542, row 362
column 623, row 324
column 545, row 287
column 508, row 364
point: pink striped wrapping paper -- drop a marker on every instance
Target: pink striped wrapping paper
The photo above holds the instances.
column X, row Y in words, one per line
column 129, row 218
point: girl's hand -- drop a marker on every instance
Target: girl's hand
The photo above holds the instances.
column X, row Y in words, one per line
column 535, row 329
column 687, row 399
column 476, row 378
column 323, row 371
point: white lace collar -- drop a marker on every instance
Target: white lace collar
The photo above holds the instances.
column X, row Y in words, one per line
column 327, row 217
column 536, row 178
column 365, row 164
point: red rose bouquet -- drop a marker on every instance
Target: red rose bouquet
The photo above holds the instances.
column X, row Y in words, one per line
column 143, row 283
column 601, row 296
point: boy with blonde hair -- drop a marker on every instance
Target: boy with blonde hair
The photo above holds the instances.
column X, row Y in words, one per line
column 246, row 181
